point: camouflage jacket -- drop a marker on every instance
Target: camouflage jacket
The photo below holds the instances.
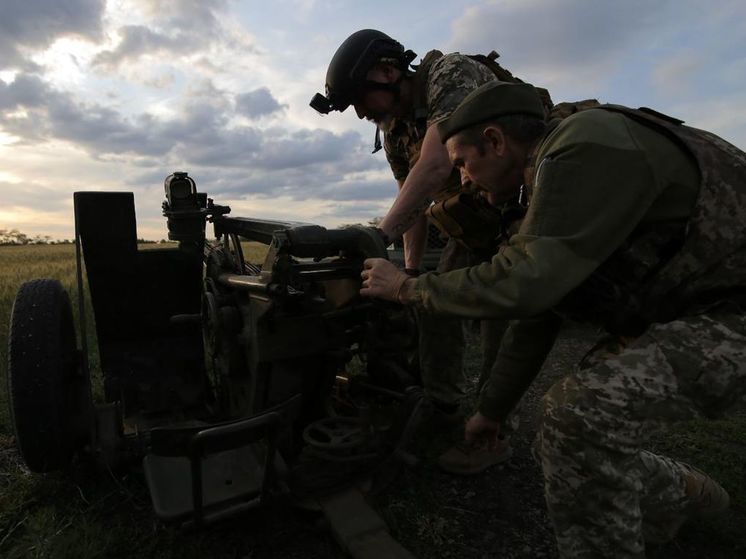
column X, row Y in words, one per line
column 440, row 84
column 646, row 226
column 711, row 262
column 644, row 281
column 667, row 269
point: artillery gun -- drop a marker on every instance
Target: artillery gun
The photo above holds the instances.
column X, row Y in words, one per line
column 228, row 381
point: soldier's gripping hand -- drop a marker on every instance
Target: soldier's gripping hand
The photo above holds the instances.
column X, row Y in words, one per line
column 481, row 430
column 383, row 280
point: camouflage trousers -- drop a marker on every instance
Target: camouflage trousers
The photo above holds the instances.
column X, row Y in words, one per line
column 441, row 341
column 605, row 494
column 492, row 333
column 441, row 358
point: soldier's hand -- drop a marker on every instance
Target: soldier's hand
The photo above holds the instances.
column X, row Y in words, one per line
column 481, row 430
column 382, row 279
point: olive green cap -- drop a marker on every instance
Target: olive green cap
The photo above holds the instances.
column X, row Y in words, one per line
column 492, row 100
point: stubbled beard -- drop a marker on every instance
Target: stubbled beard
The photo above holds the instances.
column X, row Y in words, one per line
column 384, row 122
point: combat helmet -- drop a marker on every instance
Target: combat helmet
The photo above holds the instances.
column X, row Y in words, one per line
column 351, row 63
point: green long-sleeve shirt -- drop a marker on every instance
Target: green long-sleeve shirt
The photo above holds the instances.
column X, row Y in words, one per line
column 523, row 349
column 600, row 175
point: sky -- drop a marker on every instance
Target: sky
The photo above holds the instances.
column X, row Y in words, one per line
column 117, row 94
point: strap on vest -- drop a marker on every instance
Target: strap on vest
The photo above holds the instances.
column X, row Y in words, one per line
column 419, row 84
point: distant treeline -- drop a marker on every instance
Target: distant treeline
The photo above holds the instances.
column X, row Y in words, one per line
column 15, row 237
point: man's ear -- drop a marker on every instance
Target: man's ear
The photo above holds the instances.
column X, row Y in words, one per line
column 495, row 138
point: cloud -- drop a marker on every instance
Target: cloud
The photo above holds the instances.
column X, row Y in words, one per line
column 35, row 24
column 675, row 76
column 336, row 179
column 721, row 115
column 27, row 90
column 355, row 212
column 175, row 28
column 560, row 40
column 34, row 195
column 332, row 183
column 306, row 147
column 668, row 54
column 34, row 112
column 201, row 137
column 257, row 103
column 360, row 190
column 186, row 13
column 138, row 40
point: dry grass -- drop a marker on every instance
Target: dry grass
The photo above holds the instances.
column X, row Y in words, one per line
column 20, row 264
column 86, row 514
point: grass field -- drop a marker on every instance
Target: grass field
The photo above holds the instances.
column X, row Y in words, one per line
column 89, row 514
column 81, row 514
column 22, row 263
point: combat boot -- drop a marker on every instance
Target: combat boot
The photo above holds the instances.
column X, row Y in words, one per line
column 466, row 459
column 704, row 497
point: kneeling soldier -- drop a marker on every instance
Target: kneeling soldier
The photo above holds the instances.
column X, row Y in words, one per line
column 638, row 224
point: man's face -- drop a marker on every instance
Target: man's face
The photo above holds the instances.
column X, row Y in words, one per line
column 485, row 166
column 377, row 105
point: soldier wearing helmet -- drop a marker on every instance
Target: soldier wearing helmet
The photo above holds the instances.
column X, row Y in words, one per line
column 372, row 72
column 347, row 75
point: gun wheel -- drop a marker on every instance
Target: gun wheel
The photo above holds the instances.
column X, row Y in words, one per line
column 49, row 398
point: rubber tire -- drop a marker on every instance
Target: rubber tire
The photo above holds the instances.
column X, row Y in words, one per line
column 46, row 391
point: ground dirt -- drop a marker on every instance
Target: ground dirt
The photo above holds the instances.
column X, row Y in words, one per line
column 501, row 513
column 497, row 514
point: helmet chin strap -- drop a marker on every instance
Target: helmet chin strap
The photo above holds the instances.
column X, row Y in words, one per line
column 377, row 145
